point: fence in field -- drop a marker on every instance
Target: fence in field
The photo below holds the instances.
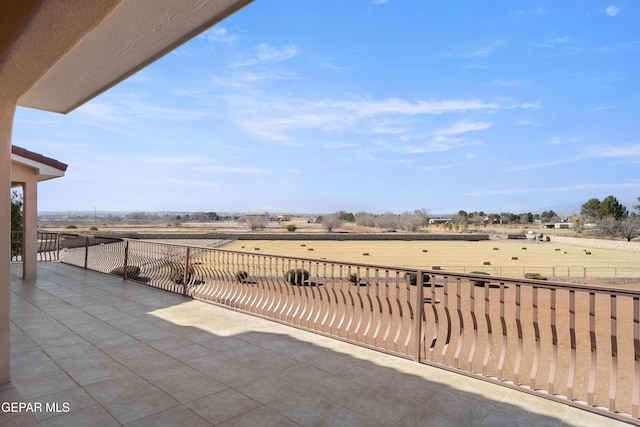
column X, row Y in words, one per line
column 574, row 271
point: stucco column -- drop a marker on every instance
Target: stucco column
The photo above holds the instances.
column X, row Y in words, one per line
column 7, row 110
column 30, row 228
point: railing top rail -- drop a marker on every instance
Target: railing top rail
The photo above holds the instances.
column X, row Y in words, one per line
column 306, row 259
column 544, row 284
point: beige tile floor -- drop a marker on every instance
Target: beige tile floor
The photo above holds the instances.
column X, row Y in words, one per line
column 112, row 353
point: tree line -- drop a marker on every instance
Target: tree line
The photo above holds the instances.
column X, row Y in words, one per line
column 606, row 218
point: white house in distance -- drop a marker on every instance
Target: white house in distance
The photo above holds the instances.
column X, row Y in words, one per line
column 57, row 55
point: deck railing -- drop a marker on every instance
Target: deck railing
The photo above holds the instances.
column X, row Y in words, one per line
column 571, row 343
column 48, row 249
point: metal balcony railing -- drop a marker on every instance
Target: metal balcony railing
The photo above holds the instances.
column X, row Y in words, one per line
column 48, row 249
column 576, row 344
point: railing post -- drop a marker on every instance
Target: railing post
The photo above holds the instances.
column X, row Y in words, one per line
column 417, row 318
column 86, row 252
column 186, row 273
column 126, row 259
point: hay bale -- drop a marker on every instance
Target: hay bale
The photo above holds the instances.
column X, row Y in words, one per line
column 496, row 249
column 309, row 249
column 424, row 250
column 436, row 267
column 557, row 249
column 587, row 253
column 486, row 263
column 365, row 254
column 514, row 258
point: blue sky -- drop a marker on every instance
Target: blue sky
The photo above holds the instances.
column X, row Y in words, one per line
column 317, row 106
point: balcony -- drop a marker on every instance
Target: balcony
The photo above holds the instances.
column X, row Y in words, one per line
column 97, row 349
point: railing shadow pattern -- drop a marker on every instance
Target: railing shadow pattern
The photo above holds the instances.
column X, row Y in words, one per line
column 576, row 344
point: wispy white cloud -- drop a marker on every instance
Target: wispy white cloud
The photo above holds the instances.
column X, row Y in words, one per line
column 554, row 42
column 177, row 160
column 379, row 1
column 623, row 151
column 274, row 119
column 478, row 52
column 541, row 165
column 526, row 122
column 557, row 46
column 129, row 108
column 231, row 169
column 219, row 35
column 629, row 152
column 556, row 140
column 536, row 105
column 271, row 54
column 266, row 54
column 612, row 10
column 463, row 126
column 557, row 189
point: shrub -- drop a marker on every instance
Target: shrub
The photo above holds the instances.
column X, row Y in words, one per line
column 479, row 282
column 413, row 279
column 297, row 276
column 93, row 228
column 241, row 276
column 176, row 272
column 536, row 276
column 133, row 271
column 70, row 226
column 291, row 227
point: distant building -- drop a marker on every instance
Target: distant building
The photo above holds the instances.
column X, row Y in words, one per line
column 436, row 221
column 563, row 225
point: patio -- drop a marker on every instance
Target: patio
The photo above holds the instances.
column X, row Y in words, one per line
column 103, row 351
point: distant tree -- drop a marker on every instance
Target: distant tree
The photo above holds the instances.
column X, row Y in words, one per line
column 610, row 207
column 526, row 218
column 16, row 211
column 477, row 220
column 365, row 219
column 256, row 223
column 389, row 220
column 548, row 216
column 629, row 227
column 590, row 208
column 346, row 216
column 637, row 207
column 412, row 221
column 459, row 219
column 495, row 218
column 331, row 222
column 608, row 227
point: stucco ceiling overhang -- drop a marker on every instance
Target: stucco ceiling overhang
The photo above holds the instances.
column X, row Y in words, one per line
column 135, row 34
